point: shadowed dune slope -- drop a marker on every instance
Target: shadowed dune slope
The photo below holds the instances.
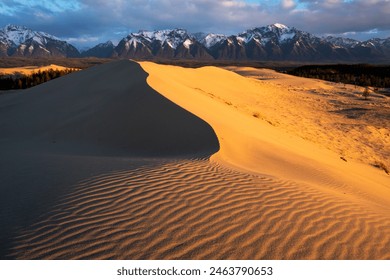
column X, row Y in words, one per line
column 95, row 121
column 106, row 110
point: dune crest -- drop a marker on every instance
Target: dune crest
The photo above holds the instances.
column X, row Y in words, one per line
column 250, row 143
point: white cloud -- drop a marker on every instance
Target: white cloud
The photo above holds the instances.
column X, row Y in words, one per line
column 288, row 4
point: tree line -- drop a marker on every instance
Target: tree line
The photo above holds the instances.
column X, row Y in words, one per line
column 8, row 82
column 358, row 74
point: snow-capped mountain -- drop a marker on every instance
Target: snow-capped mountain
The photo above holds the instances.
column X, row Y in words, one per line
column 280, row 42
column 342, row 42
column 278, row 33
column 22, row 41
column 212, row 39
column 271, row 42
column 175, row 43
column 15, row 35
column 263, row 43
column 172, row 38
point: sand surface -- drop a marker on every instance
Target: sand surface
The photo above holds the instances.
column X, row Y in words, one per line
column 343, row 122
column 110, row 163
column 238, row 108
column 28, row 70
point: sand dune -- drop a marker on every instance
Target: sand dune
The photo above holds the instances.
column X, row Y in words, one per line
column 253, row 143
column 105, row 167
column 28, row 70
column 106, row 111
column 85, row 123
column 343, row 122
column 194, row 209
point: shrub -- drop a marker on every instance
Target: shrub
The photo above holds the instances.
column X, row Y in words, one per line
column 366, row 93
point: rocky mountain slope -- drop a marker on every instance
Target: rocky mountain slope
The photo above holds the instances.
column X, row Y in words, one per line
column 273, row 42
column 21, row 41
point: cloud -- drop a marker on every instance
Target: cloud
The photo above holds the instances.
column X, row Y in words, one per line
column 337, row 16
column 99, row 20
column 288, row 4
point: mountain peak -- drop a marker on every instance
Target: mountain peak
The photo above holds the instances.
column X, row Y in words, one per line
column 158, row 33
column 212, row 39
column 101, row 50
column 17, row 35
column 342, row 42
column 109, row 43
column 277, row 33
column 22, row 41
column 13, row 27
column 280, row 26
column 172, row 37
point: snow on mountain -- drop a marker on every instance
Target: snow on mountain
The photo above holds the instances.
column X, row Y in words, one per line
column 262, row 35
column 16, row 35
column 132, row 42
column 168, row 43
column 280, row 26
column 285, row 37
column 272, row 42
column 170, row 37
column 375, row 42
column 342, row 42
column 187, row 43
column 276, row 29
column 107, row 44
column 211, row 40
column 198, row 36
column 22, row 41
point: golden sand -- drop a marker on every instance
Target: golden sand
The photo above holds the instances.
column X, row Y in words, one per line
column 233, row 105
column 28, row 70
column 127, row 174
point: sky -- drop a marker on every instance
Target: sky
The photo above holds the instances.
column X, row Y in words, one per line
column 85, row 23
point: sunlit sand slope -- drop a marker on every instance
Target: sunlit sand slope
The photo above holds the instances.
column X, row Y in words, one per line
column 344, row 122
column 248, row 142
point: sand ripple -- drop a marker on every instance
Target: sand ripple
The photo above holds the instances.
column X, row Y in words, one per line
column 197, row 209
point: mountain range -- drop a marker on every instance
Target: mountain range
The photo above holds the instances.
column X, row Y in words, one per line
column 23, row 42
column 272, row 42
